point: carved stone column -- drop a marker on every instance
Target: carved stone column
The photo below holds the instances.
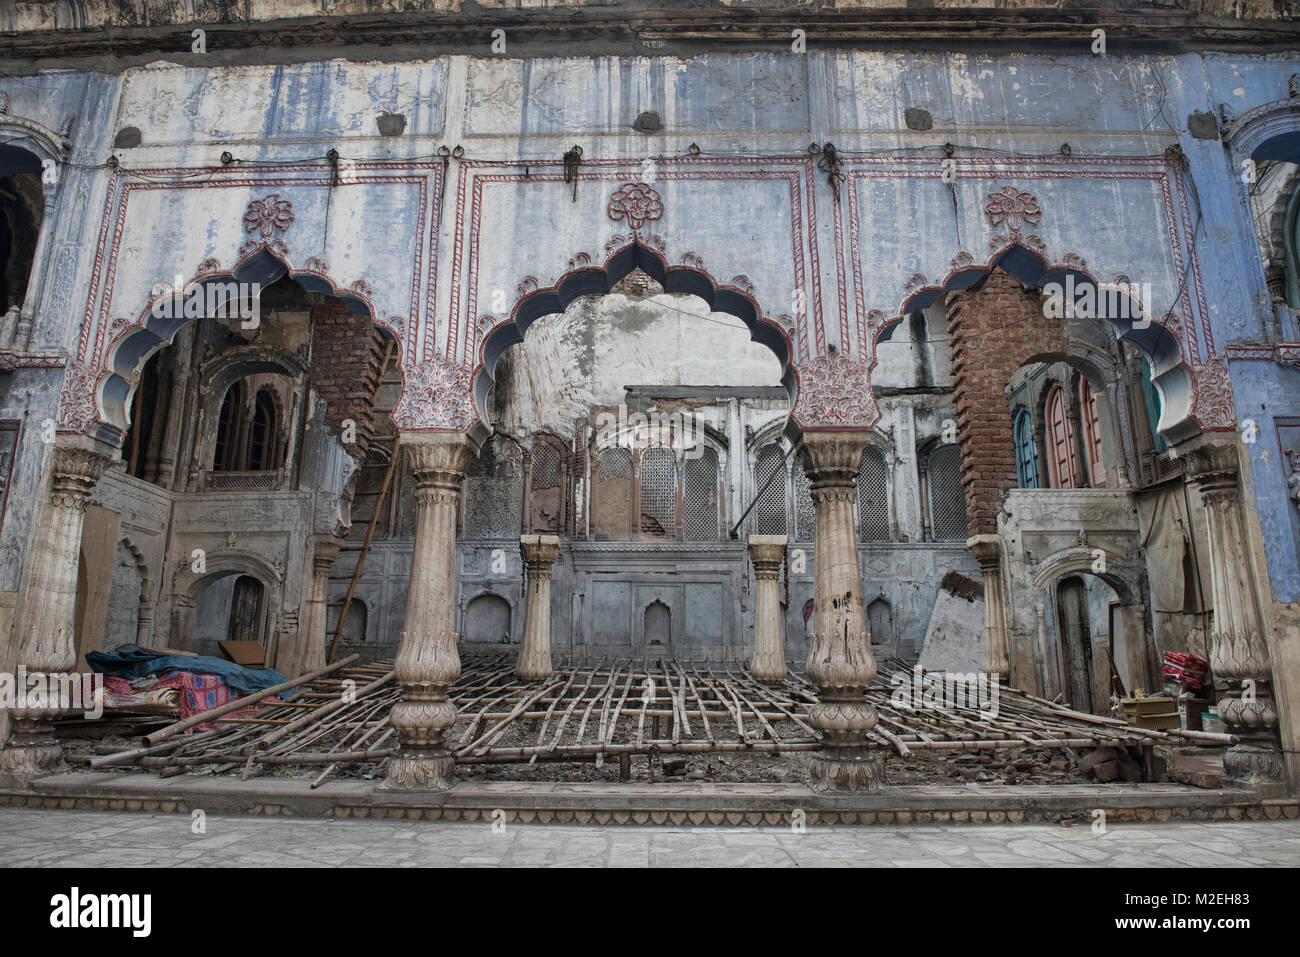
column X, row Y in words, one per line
column 312, row 639
column 144, row 627
column 44, row 626
column 988, row 552
column 539, row 553
column 427, row 661
column 767, row 552
column 839, row 650
column 163, row 471
column 1239, row 652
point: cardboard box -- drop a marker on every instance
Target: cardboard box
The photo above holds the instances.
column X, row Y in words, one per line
column 249, row 654
column 1157, row 713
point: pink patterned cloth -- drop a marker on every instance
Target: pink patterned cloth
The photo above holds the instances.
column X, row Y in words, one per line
column 195, row 693
column 201, row 693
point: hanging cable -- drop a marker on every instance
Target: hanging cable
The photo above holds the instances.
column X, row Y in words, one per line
column 572, row 160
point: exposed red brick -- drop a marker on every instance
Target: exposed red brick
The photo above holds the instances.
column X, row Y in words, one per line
column 995, row 330
column 347, row 353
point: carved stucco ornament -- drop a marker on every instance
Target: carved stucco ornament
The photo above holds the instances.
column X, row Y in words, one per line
column 833, row 391
column 1014, row 209
column 436, row 395
column 638, row 203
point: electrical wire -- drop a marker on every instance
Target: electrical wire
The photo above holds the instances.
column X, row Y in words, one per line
column 326, row 160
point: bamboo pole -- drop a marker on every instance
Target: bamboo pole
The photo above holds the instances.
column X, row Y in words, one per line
column 329, row 707
column 374, row 517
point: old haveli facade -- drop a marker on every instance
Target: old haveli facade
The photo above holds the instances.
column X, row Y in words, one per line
column 799, row 258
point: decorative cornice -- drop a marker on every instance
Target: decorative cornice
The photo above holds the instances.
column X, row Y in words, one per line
column 446, row 28
column 579, row 546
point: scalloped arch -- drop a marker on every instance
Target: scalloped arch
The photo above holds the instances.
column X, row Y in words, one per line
column 584, row 280
column 150, row 332
column 1270, row 131
column 1169, row 373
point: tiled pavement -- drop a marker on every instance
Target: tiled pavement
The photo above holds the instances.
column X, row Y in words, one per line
column 30, row 837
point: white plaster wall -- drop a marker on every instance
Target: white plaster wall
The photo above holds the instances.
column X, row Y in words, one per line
column 585, row 356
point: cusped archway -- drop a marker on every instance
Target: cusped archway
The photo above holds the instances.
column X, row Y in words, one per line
column 158, row 323
column 1117, row 305
column 587, row 278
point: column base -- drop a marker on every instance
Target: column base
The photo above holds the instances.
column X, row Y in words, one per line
column 1260, row 769
column 434, row 771
column 31, row 751
column 847, row 770
column 769, row 670
column 534, row 667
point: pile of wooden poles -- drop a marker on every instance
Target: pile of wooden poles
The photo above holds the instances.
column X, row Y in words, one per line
column 590, row 711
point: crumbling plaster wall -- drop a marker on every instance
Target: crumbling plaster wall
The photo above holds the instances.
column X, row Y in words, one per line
column 1025, row 103
column 588, row 356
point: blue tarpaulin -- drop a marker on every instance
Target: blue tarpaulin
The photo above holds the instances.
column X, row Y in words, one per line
column 131, row 661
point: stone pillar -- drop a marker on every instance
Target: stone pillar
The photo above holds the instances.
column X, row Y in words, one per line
column 44, row 627
column 163, row 471
column 839, row 650
column 144, row 627
column 313, row 637
column 988, row 552
column 539, row 553
column 767, row 552
column 1239, row 652
column 427, row 661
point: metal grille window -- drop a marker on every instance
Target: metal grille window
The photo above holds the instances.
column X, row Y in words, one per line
column 804, row 516
column 546, row 494
column 658, row 493
column 873, row 498
column 700, row 497
column 615, row 463
column 546, row 467
column 947, row 500
column 769, row 510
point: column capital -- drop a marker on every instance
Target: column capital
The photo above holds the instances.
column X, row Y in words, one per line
column 834, row 457
column 78, row 464
column 539, row 551
column 767, row 552
column 438, row 459
column 324, row 550
column 1215, row 468
column 987, row 549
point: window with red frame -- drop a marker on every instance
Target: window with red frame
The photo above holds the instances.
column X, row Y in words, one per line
column 1091, row 434
column 1060, row 441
